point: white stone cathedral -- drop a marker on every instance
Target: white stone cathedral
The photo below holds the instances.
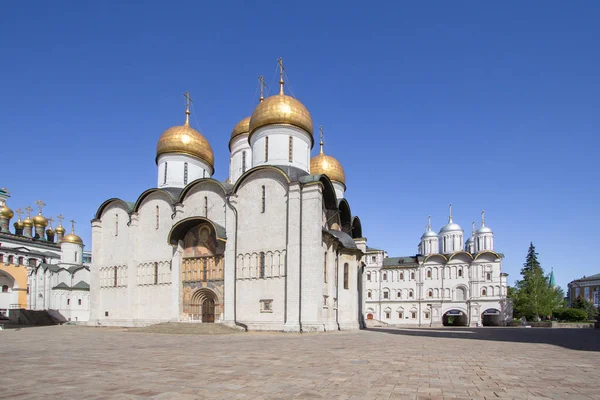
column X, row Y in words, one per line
column 445, row 283
column 275, row 247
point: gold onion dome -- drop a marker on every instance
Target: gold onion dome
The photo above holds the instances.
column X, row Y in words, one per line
column 241, row 128
column 327, row 165
column 40, row 220
column 281, row 109
column 19, row 224
column 60, row 230
column 6, row 212
column 71, row 238
column 185, row 140
column 27, row 222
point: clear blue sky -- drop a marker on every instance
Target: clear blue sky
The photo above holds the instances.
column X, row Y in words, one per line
column 488, row 106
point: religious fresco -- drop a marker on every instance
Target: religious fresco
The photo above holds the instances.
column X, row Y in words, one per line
column 200, row 242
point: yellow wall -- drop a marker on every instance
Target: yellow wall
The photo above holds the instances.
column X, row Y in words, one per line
column 19, row 273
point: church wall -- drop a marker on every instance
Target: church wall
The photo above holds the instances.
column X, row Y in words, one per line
column 175, row 166
column 258, row 232
column 239, row 145
column 348, row 298
column 71, row 253
column 215, row 201
column 278, row 148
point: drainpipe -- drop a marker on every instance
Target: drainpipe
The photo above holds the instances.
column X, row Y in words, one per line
column 337, row 289
column 235, row 266
column 300, row 267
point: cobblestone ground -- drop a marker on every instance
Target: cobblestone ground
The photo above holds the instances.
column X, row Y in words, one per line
column 74, row 362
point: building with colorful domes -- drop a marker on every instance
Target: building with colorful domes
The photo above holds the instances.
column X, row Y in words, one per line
column 41, row 268
column 274, row 247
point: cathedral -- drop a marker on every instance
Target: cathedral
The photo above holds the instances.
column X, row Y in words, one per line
column 41, row 268
column 274, row 247
column 448, row 282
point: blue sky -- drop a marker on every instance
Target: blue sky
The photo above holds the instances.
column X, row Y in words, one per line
column 488, row 106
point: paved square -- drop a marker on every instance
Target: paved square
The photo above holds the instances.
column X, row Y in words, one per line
column 72, row 362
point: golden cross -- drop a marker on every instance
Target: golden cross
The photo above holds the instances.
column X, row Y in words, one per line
column 281, row 69
column 188, row 100
column 60, row 218
column 40, row 205
column 50, row 220
column 19, row 213
column 261, row 80
column 29, row 210
column 72, row 226
column 321, row 135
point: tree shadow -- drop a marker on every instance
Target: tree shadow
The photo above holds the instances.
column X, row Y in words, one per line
column 569, row 338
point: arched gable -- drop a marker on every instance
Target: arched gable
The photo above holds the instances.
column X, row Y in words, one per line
column 148, row 192
column 254, row 170
column 127, row 205
column 356, row 228
column 432, row 256
column 199, row 182
column 461, row 254
column 488, row 252
column 179, row 230
column 345, row 216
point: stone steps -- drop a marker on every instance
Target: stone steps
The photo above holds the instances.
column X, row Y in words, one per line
column 188, row 328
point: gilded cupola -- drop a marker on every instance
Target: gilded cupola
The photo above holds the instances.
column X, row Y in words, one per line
column 241, row 128
column 39, row 220
column 72, row 237
column 281, row 109
column 6, row 212
column 184, row 139
column 27, row 222
column 327, row 165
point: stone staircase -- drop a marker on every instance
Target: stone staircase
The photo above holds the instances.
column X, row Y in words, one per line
column 188, row 328
column 22, row 317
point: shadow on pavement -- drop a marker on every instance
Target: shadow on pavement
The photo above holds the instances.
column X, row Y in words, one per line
column 574, row 339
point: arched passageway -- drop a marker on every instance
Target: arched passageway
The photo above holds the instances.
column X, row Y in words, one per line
column 455, row 318
column 201, row 306
column 491, row 317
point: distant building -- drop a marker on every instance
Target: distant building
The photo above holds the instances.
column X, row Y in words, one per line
column 588, row 287
column 445, row 283
column 41, row 268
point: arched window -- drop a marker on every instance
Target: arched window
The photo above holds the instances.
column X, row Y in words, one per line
column 384, row 276
column 369, row 294
column 4, row 288
column 165, row 177
column 483, row 292
column 156, row 273
column 386, row 294
column 400, row 314
column 429, row 273
column 116, row 224
column 243, row 162
column 426, row 314
column 291, row 149
column 75, row 256
column 266, row 148
column 401, row 276
column 488, row 276
column 157, row 216
column 413, row 314
column 411, row 294
column 399, row 294
column 68, row 301
column 204, row 269
column 261, row 265
column 115, row 277
column 264, row 200
column 412, row 276
column 325, row 268
column 11, row 259
column 460, row 274
column 368, row 277
column 185, row 173
column 388, row 315
column 79, row 302
column 21, row 261
column 430, row 293
column 346, row 266
column 205, row 207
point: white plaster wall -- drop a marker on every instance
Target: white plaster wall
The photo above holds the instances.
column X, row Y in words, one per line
column 339, row 188
column 238, row 146
column 193, row 203
column 71, row 253
column 175, row 170
column 279, row 146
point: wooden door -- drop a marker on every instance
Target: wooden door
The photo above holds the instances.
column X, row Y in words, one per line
column 208, row 310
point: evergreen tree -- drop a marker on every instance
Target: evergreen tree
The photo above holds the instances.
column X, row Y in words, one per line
column 534, row 298
column 587, row 306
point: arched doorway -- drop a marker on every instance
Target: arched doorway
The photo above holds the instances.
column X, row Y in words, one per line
column 370, row 316
column 455, row 318
column 491, row 317
column 208, row 310
column 201, row 306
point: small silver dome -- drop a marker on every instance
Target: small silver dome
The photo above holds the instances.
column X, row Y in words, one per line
column 451, row 227
column 484, row 229
column 429, row 233
column 470, row 240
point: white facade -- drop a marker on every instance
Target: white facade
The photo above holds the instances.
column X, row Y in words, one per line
column 457, row 287
column 241, row 157
column 281, row 145
column 177, row 170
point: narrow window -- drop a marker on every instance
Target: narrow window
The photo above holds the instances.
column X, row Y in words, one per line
column 385, row 276
column 386, row 295
column 369, row 294
column 325, row 301
column 115, row 282
column 267, row 148
column 264, row 194
column 243, row 162
column 157, row 217
column 346, row 266
column 204, row 269
column 410, row 294
column 68, row 301
column 413, row 314
column 75, row 256
column 373, row 259
column 261, row 266
column 204, row 173
column 156, row 273
column 483, row 292
column 2, row 259
column 489, row 276
column 426, row 315
column 325, row 268
column 185, row 173
column 21, row 261
column 4, row 288
column 165, row 178
column 401, row 276
column 460, row 272
column 400, row 314
column 429, row 273
column 116, row 224
column 368, row 277
column 11, row 260
column 430, row 293
column 387, row 314
column 412, row 276
column 291, row 149
column 79, row 302
column 205, row 206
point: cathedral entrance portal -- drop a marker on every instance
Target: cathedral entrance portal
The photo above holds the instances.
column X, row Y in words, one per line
column 208, row 310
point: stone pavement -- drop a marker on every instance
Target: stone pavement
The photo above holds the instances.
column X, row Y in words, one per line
column 76, row 362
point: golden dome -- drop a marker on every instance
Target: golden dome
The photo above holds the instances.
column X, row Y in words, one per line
column 60, row 230
column 185, row 140
column 40, row 220
column 281, row 109
column 71, row 238
column 327, row 165
column 27, row 222
column 49, row 231
column 19, row 225
column 6, row 212
column 242, row 127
